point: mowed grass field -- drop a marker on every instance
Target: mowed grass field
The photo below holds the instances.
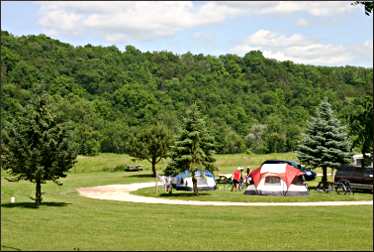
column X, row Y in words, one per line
column 67, row 221
column 223, row 193
column 225, row 163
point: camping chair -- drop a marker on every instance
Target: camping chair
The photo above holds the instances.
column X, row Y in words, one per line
column 224, row 181
column 241, row 185
column 343, row 187
column 325, row 188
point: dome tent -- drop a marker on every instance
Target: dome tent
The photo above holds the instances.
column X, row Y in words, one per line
column 277, row 179
column 183, row 181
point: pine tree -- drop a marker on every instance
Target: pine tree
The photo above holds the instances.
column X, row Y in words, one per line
column 325, row 143
column 37, row 148
column 193, row 147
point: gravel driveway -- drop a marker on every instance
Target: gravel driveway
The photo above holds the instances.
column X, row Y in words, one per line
column 121, row 192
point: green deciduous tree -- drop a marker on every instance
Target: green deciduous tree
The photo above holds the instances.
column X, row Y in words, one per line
column 361, row 124
column 116, row 137
column 98, row 86
column 37, row 147
column 152, row 144
column 368, row 5
column 85, row 120
column 325, row 143
column 228, row 141
column 254, row 139
column 275, row 134
column 193, row 147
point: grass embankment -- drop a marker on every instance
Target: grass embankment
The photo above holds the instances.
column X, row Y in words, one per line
column 225, row 163
column 67, row 221
column 108, row 162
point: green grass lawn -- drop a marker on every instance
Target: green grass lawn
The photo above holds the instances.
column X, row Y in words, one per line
column 66, row 221
column 223, row 193
column 108, row 162
column 225, row 163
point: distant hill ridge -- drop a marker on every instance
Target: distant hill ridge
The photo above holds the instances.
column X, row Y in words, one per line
column 250, row 102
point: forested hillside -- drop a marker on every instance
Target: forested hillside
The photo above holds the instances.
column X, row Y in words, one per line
column 250, row 102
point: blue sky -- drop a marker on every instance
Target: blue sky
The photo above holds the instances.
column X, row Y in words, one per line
column 319, row 33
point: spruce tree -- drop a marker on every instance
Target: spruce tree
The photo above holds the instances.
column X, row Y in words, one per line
column 193, row 147
column 37, row 147
column 325, row 143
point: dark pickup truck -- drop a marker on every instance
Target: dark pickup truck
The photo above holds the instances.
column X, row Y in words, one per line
column 358, row 178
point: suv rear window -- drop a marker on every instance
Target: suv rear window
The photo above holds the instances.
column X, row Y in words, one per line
column 348, row 171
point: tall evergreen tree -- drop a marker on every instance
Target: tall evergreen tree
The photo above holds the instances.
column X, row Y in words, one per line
column 193, row 147
column 325, row 143
column 37, row 148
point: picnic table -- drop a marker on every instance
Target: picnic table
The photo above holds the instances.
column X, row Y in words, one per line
column 340, row 187
column 133, row 168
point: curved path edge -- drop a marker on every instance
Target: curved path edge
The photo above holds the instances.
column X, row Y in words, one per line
column 121, row 192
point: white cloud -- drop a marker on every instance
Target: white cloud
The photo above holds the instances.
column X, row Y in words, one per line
column 302, row 22
column 139, row 20
column 300, row 49
column 116, row 21
column 60, row 20
column 116, row 37
column 315, row 8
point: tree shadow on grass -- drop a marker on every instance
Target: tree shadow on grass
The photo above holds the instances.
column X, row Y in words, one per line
column 32, row 204
column 7, row 248
column 185, row 194
column 140, row 176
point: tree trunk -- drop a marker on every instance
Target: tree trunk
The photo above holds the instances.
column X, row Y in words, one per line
column 38, row 194
column 194, row 183
column 324, row 177
column 156, row 184
column 154, row 168
column 363, row 159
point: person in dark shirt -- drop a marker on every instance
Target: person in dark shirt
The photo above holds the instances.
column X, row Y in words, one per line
column 247, row 177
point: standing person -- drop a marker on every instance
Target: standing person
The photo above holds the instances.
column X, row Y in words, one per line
column 248, row 178
column 236, row 179
column 168, row 185
column 241, row 181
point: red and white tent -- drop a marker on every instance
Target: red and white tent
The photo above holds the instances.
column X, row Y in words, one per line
column 277, row 179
